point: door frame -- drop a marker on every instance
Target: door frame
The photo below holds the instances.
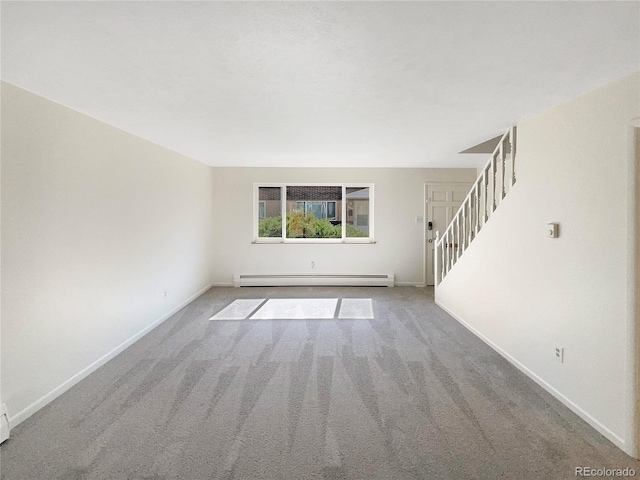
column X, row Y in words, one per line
column 632, row 433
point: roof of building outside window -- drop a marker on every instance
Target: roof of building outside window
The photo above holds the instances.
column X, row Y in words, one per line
column 311, row 193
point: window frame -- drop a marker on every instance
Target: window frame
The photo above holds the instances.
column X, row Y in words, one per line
column 283, row 213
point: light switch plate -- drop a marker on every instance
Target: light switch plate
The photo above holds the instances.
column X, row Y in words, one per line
column 552, row 230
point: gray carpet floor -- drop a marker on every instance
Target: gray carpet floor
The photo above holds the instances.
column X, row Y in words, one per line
column 410, row 394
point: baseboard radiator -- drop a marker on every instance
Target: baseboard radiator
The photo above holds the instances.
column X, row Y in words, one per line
column 387, row 280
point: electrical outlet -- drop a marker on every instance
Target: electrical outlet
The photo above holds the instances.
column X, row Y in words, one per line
column 559, row 353
column 419, row 219
column 313, row 264
column 165, row 294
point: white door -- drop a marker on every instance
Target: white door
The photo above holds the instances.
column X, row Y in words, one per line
column 443, row 201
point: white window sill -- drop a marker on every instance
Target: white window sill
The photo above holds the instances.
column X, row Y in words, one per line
column 315, row 241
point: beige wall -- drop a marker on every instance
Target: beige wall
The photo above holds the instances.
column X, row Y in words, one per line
column 399, row 198
column 535, row 292
column 96, row 225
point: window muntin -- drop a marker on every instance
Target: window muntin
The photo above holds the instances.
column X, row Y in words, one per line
column 314, row 212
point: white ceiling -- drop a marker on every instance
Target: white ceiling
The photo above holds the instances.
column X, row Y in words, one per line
column 362, row 84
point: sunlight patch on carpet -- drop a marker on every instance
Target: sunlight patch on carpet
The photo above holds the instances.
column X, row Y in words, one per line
column 356, row 308
column 238, row 309
column 297, row 309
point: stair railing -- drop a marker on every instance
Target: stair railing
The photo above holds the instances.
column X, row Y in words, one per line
column 488, row 191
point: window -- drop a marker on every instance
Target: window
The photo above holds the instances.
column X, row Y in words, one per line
column 357, row 211
column 329, row 213
column 269, row 212
column 331, row 210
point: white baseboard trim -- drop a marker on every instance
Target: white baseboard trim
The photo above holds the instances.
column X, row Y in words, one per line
column 619, row 442
column 85, row 372
column 398, row 284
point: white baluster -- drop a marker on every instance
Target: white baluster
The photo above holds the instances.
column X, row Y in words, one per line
column 453, row 244
column 451, row 247
column 493, row 183
column 467, row 224
column 478, row 183
column 457, row 236
column 486, row 196
column 463, row 214
column 471, row 222
column 443, row 247
column 503, row 159
column 447, row 238
column 436, row 269
column 512, row 139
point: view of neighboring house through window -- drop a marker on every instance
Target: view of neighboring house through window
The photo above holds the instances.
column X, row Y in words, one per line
column 322, row 210
column 357, row 211
column 308, row 212
column 332, row 212
column 270, row 211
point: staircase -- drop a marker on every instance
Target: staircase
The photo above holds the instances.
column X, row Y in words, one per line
column 488, row 191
